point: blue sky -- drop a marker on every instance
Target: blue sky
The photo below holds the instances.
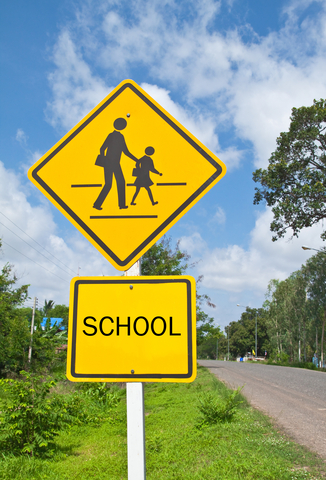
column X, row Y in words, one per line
column 230, row 71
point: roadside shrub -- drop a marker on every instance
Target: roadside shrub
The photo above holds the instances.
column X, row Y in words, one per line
column 100, row 395
column 214, row 410
column 308, row 365
column 282, row 357
column 30, row 419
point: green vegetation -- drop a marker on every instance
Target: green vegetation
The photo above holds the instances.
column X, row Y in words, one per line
column 162, row 259
column 208, row 335
column 294, row 182
column 30, row 418
column 246, row 446
column 295, row 313
column 291, row 323
column 15, row 328
column 214, row 410
column 242, row 334
column 14, row 334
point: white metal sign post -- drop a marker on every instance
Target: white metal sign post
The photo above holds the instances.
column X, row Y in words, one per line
column 136, row 431
column 135, row 418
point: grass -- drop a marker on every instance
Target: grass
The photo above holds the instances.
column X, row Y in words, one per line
column 178, row 444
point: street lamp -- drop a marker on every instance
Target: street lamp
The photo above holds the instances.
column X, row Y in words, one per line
column 304, row 247
column 244, row 306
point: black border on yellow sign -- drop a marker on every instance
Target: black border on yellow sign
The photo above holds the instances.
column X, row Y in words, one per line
column 127, row 376
column 86, row 228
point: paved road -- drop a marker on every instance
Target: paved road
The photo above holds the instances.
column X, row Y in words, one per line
column 294, row 397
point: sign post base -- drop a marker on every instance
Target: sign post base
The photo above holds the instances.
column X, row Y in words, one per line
column 136, row 431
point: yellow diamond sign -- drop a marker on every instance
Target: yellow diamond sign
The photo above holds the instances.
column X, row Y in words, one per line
column 126, row 173
column 120, row 330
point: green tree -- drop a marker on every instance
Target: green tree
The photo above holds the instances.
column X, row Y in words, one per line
column 315, row 271
column 14, row 333
column 46, row 339
column 61, row 311
column 295, row 312
column 208, row 335
column 291, row 316
column 242, row 333
column 162, row 259
column 48, row 306
column 294, row 182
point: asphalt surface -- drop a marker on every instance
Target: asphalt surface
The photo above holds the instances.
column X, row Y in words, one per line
column 294, row 397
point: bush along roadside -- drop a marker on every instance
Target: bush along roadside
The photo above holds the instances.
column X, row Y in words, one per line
column 213, row 409
column 32, row 415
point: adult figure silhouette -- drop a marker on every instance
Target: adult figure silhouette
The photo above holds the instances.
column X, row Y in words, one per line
column 112, row 148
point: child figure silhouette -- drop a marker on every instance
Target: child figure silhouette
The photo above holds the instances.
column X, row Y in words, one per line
column 143, row 166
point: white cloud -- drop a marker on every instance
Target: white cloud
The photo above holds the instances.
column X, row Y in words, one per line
column 21, row 137
column 231, row 157
column 202, row 128
column 225, row 81
column 72, row 103
column 235, row 269
column 219, row 216
column 31, row 158
column 193, row 244
column 76, row 91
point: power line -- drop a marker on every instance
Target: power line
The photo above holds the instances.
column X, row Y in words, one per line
column 34, row 261
column 40, row 253
column 37, row 243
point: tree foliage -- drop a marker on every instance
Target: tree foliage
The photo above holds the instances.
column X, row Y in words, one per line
column 295, row 180
column 296, row 310
column 48, row 306
column 315, row 274
column 242, row 333
column 208, row 335
column 15, row 328
column 286, row 304
column 31, row 419
column 14, row 333
column 61, row 311
column 162, row 259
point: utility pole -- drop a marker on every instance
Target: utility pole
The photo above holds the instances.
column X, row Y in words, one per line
column 299, row 346
column 32, row 330
column 228, row 343
column 217, row 348
column 256, row 334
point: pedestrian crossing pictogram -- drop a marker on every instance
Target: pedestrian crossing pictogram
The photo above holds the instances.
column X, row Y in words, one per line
column 126, row 173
